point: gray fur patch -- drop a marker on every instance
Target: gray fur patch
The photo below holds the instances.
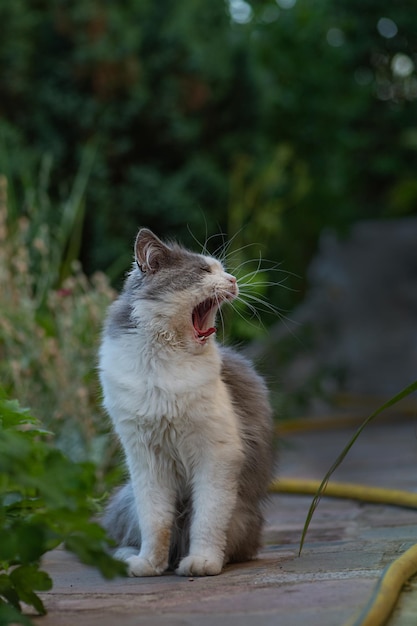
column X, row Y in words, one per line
column 180, row 270
column 250, row 399
column 119, row 319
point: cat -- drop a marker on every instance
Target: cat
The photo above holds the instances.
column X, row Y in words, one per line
column 193, row 418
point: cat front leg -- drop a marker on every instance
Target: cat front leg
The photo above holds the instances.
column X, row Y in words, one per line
column 152, row 559
column 155, row 504
column 214, row 498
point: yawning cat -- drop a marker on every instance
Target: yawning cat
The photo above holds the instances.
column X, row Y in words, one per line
column 192, row 416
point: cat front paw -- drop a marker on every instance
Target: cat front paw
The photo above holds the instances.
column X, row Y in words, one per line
column 199, row 566
column 138, row 566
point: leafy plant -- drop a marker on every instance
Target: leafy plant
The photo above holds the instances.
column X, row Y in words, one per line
column 50, row 325
column 45, row 500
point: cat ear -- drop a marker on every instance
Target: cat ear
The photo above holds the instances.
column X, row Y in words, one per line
column 150, row 252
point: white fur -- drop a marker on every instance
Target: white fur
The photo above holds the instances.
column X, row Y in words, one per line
column 178, row 428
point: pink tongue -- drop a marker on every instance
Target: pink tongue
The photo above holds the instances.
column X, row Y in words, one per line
column 206, row 333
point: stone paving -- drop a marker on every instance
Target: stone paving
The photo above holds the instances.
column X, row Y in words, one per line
column 347, row 547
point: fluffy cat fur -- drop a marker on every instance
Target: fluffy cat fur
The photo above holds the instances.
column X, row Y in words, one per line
column 192, row 416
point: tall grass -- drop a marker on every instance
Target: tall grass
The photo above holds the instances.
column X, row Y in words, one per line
column 50, row 319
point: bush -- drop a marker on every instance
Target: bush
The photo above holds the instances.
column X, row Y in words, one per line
column 45, row 500
column 49, row 332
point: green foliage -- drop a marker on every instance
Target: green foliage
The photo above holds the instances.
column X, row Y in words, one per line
column 45, row 500
column 148, row 84
column 278, row 124
column 49, row 327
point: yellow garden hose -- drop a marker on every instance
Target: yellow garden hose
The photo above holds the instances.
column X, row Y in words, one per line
column 388, row 588
column 351, row 491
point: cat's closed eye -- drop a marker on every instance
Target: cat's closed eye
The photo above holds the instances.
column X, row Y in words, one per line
column 205, row 268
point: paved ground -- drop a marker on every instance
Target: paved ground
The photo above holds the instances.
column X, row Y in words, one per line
column 347, row 547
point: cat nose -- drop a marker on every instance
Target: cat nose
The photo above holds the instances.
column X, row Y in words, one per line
column 232, row 279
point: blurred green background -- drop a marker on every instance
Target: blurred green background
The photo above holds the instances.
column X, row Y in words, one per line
column 274, row 117
column 264, row 120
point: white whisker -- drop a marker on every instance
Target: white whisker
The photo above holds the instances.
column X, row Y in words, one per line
column 254, row 314
column 256, row 285
column 236, row 252
column 224, row 252
column 263, row 305
column 220, row 312
column 202, row 246
column 266, row 270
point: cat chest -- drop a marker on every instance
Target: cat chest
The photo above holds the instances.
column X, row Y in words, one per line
column 165, row 399
column 165, row 447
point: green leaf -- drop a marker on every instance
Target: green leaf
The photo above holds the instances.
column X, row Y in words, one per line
column 27, row 579
column 31, row 541
column 9, row 615
column 31, row 575
column 8, row 591
column 13, row 415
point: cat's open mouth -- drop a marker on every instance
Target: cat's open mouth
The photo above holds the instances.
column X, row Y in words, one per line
column 204, row 314
column 203, row 318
